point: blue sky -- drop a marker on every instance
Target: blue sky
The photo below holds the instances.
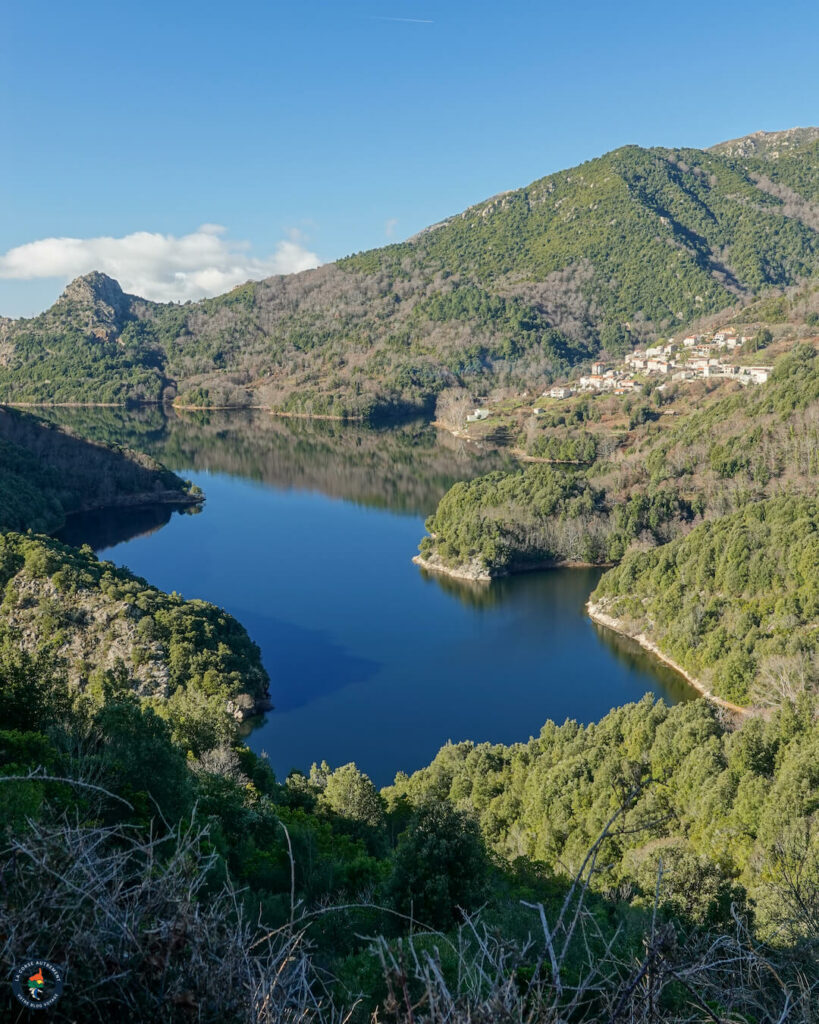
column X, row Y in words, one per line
column 312, row 129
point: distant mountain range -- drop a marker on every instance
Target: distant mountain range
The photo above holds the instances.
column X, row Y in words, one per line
column 619, row 250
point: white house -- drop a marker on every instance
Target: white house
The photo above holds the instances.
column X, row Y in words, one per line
column 559, row 392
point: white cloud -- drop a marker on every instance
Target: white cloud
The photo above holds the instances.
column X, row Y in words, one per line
column 160, row 267
column 390, row 226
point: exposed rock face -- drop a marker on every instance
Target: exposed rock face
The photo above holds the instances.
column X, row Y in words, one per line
column 475, row 570
column 102, row 297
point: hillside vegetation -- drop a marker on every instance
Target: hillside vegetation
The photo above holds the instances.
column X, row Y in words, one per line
column 47, row 472
column 644, row 487
column 143, row 861
column 89, row 620
column 510, row 292
column 736, row 601
column 713, row 804
column 660, row 866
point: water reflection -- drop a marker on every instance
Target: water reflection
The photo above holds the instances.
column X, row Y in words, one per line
column 477, row 594
column 405, row 469
column 636, row 659
column 105, row 528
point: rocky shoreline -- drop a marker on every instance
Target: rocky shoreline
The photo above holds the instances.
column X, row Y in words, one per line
column 596, row 614
column 245, row 705
column 168, row 497
column 476, row 572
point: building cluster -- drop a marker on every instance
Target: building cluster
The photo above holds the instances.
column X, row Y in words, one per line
column 702, row 355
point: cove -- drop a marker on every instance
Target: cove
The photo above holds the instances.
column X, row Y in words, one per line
column 307, row 536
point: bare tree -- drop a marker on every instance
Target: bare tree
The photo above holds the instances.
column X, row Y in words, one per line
column 452, row 407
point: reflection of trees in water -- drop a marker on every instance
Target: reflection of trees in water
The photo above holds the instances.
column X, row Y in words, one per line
column 531, row 591
column 477, row 594
column 106, row 528
column 636, row 659
column 406, row 468
column 552, row 591
column 114, row 425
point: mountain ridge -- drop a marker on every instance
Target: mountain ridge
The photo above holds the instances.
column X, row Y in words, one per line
column 506, row 294
column 770, row 144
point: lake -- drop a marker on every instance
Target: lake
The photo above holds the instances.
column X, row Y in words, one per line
column 307, row 537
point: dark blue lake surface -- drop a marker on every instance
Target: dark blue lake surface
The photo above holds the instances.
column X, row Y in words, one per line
column 370, row 659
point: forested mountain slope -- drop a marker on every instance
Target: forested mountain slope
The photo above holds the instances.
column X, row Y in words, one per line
column 47, row 472
column 634, row 243
column 714, row 520
column 714, row 806
column 136, row 859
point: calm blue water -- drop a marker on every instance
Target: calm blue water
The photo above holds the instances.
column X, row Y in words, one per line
column 371, row 660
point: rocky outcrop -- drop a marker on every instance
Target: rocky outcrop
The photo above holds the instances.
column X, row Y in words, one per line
column 769, row 145
column 245, row 705
column 92, row 632
column 102, row 299
column 475, row 571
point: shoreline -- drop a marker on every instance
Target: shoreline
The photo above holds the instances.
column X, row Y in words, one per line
column 141, row 499
column 477, row 574
column 181, row 407
column 617, row 626
column 184, row 407
column 473, row 575
column 315, row 416
column 76, row 405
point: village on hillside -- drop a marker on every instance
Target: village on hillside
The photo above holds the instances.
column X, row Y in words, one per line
column 701, row 355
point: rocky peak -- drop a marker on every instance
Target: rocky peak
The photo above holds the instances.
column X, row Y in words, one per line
column 95, row 287
column 100, row 298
